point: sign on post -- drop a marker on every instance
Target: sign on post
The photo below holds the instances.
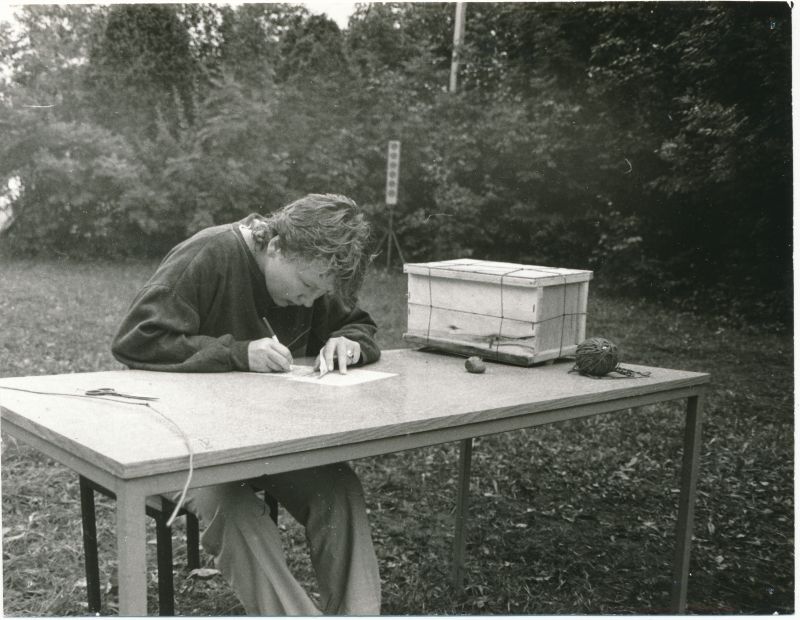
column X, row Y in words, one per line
column 392, row 172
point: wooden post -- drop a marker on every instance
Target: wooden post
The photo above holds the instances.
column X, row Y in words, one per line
column 689, row 470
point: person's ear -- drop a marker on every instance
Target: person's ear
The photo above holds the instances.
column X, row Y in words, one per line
column 273, row 247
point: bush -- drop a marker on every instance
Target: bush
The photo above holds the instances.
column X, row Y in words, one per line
column 81, row 189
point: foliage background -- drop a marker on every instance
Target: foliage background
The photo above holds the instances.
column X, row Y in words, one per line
column 650, row 142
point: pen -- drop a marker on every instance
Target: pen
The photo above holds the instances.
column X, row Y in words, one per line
column 323, row 367
column 270, row 330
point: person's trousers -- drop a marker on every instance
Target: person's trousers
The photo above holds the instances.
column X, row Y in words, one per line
column 246, row 544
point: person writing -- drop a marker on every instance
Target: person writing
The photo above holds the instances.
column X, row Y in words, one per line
column 251, row 296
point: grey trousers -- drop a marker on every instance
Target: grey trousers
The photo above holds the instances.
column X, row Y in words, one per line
column 246, row 544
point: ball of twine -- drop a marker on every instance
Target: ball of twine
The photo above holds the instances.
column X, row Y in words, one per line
column 596, row 357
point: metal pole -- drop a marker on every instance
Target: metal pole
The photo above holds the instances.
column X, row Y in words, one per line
column 465, row 452
column 389, row 236
column 458, row 40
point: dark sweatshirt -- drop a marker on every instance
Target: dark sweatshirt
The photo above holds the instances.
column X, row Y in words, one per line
column 205, row 303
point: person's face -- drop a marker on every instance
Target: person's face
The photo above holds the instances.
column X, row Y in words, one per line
column 294, row 281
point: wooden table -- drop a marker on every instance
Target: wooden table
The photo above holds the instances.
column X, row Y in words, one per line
column 242, row 425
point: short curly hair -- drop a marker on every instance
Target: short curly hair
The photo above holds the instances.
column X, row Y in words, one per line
column 325, row 227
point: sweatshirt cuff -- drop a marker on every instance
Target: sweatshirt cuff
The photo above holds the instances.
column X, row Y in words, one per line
column 241, row 360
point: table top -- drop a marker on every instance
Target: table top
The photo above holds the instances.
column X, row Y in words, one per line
column 234, row 416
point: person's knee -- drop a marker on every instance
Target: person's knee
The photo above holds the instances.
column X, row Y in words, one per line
column 338, row 490
column 347, row 479
column 232, row 500
column 343, row 481
column 226, row 509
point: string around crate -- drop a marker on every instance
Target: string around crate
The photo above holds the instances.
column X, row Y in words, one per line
column 495, row 343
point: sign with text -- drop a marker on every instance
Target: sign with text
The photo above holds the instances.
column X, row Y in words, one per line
column 392, row 171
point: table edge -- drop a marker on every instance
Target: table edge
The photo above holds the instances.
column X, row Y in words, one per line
column 699, row 381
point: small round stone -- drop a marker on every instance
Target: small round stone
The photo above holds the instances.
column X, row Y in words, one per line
column 475, row 364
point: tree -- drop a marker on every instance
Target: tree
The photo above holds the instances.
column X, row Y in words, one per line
column 648, row 141
column 142, row 69
column 80, row 187
column 46, row 55
column 712, row 139
column 242, row 42
column 232, row 163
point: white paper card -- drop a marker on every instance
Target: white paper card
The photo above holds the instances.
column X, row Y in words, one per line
column 354, row 376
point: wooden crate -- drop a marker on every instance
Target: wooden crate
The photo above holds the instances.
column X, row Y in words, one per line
column 521, row 314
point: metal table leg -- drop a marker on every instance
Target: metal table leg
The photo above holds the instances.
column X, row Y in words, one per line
column 91, row 563
column 462, row 504
column 192, row 541
column 131, row 551
column 689, row 472
column 166, row 589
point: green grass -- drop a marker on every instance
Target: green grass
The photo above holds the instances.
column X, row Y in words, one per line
column 577, row 517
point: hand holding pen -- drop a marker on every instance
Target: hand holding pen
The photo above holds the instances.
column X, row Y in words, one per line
column 268, row 354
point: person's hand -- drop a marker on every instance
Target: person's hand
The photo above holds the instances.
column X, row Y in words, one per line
column 345, row 350
column 268, row 355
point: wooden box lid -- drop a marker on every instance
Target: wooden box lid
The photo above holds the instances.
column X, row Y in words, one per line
column 511, row 274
